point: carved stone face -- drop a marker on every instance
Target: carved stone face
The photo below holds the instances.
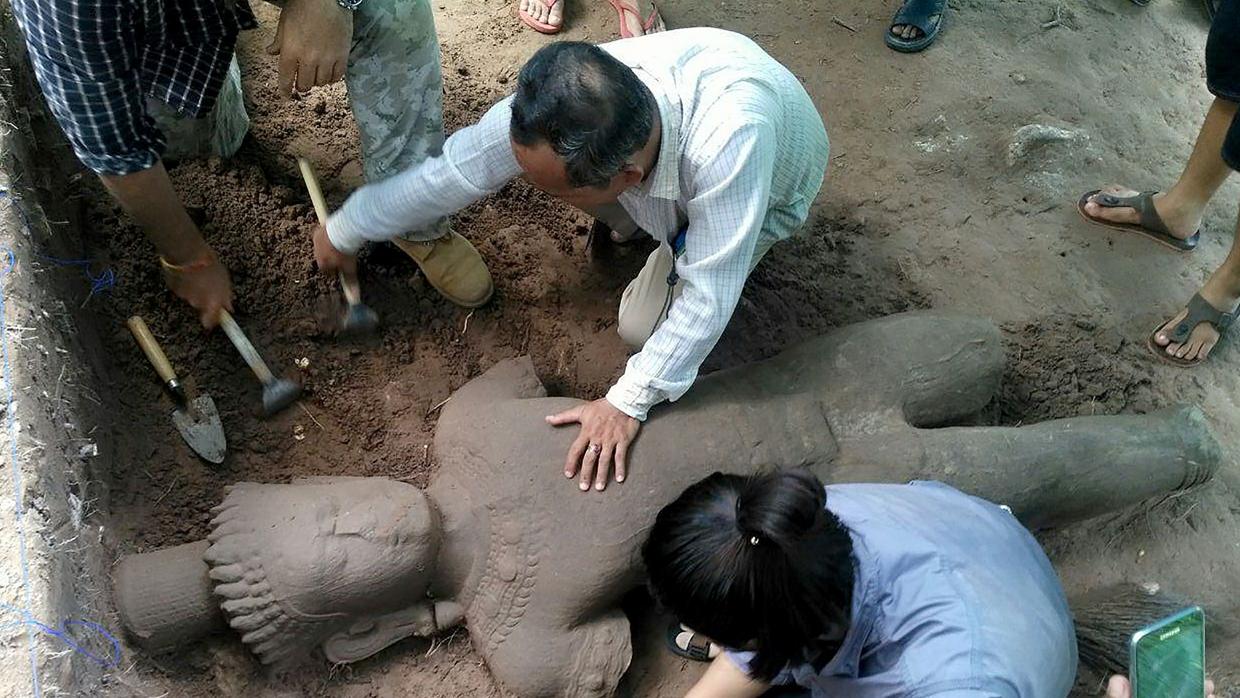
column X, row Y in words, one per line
column 356, row 547
column 328, row 547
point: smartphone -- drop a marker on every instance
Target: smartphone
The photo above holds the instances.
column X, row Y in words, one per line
column 1168, row 658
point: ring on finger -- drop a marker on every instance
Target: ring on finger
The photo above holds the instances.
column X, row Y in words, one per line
column 596, row 448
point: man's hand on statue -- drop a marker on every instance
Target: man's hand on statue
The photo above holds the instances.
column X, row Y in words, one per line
column 203, row 283
column 606, row 434
column 330, row 259
column 1120, row 687
column 312, row 40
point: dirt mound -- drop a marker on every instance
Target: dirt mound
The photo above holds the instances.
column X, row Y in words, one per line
column 1066, row 366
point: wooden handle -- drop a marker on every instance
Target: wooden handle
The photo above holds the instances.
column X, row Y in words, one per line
column 245, row 348
column 312, row 185
column 352, row 289
column 150, row 347
column 348, row 282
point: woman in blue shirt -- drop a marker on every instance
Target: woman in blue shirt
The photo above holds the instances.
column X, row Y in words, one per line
column 861, row 590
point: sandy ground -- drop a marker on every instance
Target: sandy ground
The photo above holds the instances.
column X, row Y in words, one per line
column 927, row 204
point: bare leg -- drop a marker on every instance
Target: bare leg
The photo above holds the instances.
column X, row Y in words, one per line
column 1221, row 290
column 1181, row 207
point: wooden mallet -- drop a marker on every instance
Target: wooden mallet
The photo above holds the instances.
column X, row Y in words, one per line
column 357, row 317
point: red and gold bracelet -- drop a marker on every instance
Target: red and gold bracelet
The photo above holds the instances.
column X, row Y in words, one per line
column 197, row 265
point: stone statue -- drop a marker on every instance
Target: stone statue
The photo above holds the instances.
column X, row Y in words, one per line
column 502, row 542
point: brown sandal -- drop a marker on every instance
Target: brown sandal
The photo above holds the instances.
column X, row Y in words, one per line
column 1199, row 310
column 1151, row 225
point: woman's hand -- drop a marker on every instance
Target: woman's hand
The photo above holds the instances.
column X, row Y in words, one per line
column 1120, row 687
column 725, row 680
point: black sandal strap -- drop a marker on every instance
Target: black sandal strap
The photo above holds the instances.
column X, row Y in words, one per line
column 1199, row 310
column 1143, row 203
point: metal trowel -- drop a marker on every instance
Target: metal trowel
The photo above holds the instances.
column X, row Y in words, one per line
column 197, row 419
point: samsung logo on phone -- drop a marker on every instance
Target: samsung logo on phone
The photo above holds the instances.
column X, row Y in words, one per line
column 1170, row 633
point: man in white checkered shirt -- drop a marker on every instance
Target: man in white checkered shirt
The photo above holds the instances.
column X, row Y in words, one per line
column 136, row 81
column 696, row 137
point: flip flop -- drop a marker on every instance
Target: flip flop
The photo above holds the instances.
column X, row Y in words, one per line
column 1199, row 311
column 538, row 26
column 1151, row 225
column 918, row 14
column 697, row 648
column 647, row 24
column 1211, row 8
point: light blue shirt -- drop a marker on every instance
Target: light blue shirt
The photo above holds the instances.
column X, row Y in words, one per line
column 953, row 598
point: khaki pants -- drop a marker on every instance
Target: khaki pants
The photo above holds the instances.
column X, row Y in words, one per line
column 648, row 299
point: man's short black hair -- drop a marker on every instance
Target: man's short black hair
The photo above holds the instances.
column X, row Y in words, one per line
column 589, row 107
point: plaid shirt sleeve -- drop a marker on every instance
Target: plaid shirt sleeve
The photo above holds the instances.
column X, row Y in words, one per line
column 86, row 58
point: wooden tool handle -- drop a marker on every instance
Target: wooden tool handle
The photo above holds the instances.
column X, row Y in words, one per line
column 348, row 282
column 150, row 347
column 245, row 348
column 352, row 289
column 312, row 185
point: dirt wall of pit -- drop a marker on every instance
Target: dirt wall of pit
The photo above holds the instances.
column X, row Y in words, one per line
column 56, row 634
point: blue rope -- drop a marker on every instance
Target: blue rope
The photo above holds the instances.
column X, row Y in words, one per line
column 102, row 282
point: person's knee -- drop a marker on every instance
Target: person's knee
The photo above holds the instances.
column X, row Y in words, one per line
column 634, row 327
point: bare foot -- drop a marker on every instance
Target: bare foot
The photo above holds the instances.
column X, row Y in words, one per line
column 1181, row 223
column 635, row 14
column 550, row 12
column 1204, row 336
column 909, row 32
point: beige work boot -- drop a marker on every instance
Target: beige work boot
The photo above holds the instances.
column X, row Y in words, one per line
column 453, row 267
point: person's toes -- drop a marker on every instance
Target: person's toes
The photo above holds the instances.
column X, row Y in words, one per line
column 1118, row 190
column 1163, row 337
column 524, row 6
column 555, row 15
column 1209, row 339
column 897, row 30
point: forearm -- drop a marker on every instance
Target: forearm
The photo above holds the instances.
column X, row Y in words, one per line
column 668, row 364
column 723, row 679
column 476, row 161
column 148, row 198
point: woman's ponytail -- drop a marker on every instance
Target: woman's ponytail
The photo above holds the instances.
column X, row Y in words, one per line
column 754, row 560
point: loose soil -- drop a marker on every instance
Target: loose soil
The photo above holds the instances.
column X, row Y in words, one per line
column 926, row 206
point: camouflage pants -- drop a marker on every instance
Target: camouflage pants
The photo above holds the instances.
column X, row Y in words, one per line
column 395, row 90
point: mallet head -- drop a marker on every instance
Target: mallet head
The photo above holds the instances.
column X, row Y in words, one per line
column 278, row 394
column 358, row 319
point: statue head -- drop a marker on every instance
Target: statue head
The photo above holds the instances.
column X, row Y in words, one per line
column 324, row 558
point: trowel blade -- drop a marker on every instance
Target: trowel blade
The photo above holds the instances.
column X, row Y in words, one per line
column 200, row 426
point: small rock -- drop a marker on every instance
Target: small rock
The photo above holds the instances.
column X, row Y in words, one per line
column 320, row 106
column 1087, row 325
column 1019, row 78
column 1031, row 137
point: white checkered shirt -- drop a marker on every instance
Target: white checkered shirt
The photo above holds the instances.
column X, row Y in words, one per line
column 742, row 157
column 98, row 60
